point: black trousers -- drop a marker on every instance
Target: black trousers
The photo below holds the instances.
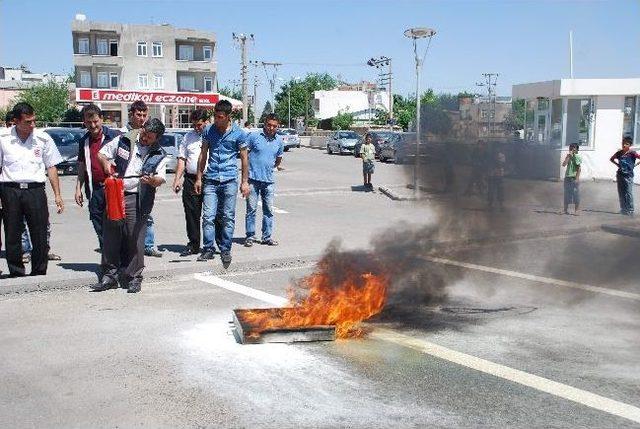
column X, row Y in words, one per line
column 19, row 205
column 123, row 243
column 192, row 203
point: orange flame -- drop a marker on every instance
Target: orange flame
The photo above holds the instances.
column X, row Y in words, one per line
column 358, row 297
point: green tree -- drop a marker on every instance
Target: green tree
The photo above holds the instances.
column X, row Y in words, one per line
column 301, row 92
column 404, row 110
column 236, row 94
column 49, row 100
column 72, row 115
column 342, row 121
column 515, row 119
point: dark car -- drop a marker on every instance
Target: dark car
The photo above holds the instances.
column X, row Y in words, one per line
column 387, row 150
column 378, row 137
column 67, row 141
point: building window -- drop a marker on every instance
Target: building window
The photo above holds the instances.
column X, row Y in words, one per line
column 187, row 83
column 207, row 53
column 103, row 80
column 85, row 79
column 156, row 49
column 113, row 80
column 556, row 122
column 102, row 47
column 158, row 81
column 185, row 52
column 143, row 81
column 630, row 118
column 142, row 49
column 83, row 45
column 208, row 84
column 580, row 121
column 113, row 48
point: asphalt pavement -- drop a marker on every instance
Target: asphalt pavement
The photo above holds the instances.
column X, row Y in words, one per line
column 537, row 328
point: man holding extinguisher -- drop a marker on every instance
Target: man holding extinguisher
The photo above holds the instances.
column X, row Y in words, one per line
column 141, row 164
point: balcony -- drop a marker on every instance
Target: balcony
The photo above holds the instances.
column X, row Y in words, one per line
column 85, row 60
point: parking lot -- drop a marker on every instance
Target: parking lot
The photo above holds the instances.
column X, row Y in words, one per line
column 538, row 327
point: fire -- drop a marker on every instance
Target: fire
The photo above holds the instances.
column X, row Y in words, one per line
column 357, row 297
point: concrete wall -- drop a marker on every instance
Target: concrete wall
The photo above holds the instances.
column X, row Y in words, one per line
column 327, row 104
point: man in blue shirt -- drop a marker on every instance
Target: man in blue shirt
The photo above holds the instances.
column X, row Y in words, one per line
column 221, row 143
column 265, row 154
column 625, row 160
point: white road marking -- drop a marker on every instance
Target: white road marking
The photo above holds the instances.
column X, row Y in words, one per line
column 539, row 279
column 268, row 270
column 542, row 384
column 274, row 209
column 243, row 290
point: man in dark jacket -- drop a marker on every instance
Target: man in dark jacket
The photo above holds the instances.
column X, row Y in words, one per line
column 141, row 163
column 90, row 173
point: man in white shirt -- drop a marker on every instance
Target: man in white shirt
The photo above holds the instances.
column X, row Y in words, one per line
column 141, row 163
column 188, row 153
column 27, row 156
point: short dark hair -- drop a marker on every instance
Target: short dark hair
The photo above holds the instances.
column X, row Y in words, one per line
column 627, row 139
column 223, row 106
column 22, row 108
column 9, row 117
column 138, row 105
column 199, row 115
column 155, row 125
column 90, row 110
column 271, row 117
column 575, row 146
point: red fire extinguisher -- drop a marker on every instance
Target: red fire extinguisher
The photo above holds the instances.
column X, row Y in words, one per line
column 114, row 198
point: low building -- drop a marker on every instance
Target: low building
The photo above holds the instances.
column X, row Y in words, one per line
column 13, row 80
column 595, row 113
column 171, row 69
column 360, row 100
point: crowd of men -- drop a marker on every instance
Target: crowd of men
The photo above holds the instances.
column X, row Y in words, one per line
column 206, row 173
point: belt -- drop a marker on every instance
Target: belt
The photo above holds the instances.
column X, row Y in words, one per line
column 130, row 193
column 190, row 176
column 22, row 185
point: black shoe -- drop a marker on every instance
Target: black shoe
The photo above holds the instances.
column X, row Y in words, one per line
column 225, row 257
column 206, row 256
column 270, row 242
column 189, row 251
column 53, row 257
column 106, row 284
column 134, row 287
column 153, row 252
column 248, row 242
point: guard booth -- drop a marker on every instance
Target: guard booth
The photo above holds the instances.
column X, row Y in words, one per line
column 595, row 113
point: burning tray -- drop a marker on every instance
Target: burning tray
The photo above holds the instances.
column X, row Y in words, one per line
column 246, row 333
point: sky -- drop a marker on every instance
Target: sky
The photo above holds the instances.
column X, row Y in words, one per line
column 522, row 41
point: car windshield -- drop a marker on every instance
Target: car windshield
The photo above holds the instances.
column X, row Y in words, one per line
column 64, row 138
column 347, row 135
column 284, row 132
column 384, row 135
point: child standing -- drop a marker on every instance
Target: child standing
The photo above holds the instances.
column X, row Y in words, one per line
column 368, row 155
column 625, row 160
column 572, row 178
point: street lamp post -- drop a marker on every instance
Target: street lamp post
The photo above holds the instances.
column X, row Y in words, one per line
column 415, row 34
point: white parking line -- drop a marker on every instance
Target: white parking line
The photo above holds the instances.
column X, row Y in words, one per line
column 539, row 279
column 274, row 209
column 542, row 384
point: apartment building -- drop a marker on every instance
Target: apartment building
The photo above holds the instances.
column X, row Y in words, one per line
column 171, row 69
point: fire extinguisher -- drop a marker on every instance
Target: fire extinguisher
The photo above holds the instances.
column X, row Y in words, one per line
column 114, row 198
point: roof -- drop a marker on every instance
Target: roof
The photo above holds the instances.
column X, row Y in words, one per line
column 577, row 87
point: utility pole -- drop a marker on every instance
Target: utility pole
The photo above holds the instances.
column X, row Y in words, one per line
column 255, row 93
column 384, row 78
column 242, row 40
column 272, row 81
column 490, row 81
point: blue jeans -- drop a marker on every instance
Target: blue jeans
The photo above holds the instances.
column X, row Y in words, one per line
column 218, row 195
column 571, row 192
column 150, row 235
column 625, row 193
column 265, row 191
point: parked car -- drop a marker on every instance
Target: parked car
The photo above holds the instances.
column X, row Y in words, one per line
column 67, row 141
column 406, row 149
column 342, row 142
column 378, row 137
column 170, row 142
column 388, row 149
column 290, row 138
